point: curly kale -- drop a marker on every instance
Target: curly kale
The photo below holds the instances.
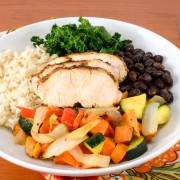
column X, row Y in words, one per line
column 72, row 38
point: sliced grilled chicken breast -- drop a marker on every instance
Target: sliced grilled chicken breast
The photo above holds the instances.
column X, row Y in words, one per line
column 92, row 63
column 116, row 62
column 65, row 86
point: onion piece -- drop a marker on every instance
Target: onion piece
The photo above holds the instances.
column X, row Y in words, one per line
column 90, row 160
column 101, row 111
column 70, row 140
column 57, row 132
column 149, row 122
column 157, row 99
column 115, row 116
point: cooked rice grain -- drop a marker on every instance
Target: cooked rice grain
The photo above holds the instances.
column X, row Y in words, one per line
column 15, row 89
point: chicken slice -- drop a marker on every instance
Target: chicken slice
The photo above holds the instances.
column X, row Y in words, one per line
column 92, row 87
column 116, row 62
column 92, row 63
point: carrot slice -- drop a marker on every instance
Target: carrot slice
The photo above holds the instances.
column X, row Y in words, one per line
column 67, row 158
column 78, row 119
column 102, row 127
column 123, row 133
column 118, row 153
column 108, row 146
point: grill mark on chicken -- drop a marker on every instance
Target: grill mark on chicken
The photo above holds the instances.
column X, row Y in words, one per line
column 43, row 79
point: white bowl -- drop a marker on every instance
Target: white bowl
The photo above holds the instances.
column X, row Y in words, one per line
column 142, row 38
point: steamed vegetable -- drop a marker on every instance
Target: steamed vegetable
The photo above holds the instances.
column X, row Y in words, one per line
column 19, row 135
column 68, row 117
column 26, row 112
column 33, row 149
column 70, row 140
column 163, row 114
column 67, row 158
column 84, row 37
column 119, row 153
column 101, row 111
column 90, row 160
column 108, row 146
column 157, row 99
column 130, row 119
column 136, row 148
column 95, row 143
column 123, row 133
column 25, row 124
column 136, row 103
column 102, row 128
column 149, row 121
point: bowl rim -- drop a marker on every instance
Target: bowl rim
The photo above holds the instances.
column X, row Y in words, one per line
column 96, row 171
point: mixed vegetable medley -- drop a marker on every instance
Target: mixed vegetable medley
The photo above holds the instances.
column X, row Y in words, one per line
column 88, row 138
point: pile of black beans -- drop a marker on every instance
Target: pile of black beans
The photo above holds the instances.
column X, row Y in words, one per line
column 147, row 74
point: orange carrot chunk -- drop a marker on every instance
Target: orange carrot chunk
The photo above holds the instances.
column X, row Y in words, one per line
column 33, row 149
column 66, row 158
column 118, row 153
column 78, row 119
column 130, row 119
column 123, row 133
column 108, row 146
column 102, row 127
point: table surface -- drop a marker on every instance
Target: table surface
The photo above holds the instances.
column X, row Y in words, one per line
column 160, row 16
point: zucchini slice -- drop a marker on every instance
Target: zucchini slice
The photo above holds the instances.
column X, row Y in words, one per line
column 95, row 143
column 25, row 124
column 136, row 148
column 136, row 103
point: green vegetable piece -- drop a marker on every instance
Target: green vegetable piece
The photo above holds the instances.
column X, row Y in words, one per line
column 163, row 114
column 95, row 143
column 136, row 103
column 95, row 140
column 72, row 38
column 136, row 148
column 26, row 125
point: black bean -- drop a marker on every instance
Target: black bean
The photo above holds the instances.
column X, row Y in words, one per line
column 139, row 67
column 167, row 95
column 128, row 60
column 128, row 54
column 140, row 85
column 148, row 62
column 138, row 51
column 167, row 78
column 129, row 48
column 134, row 92
column 146, row 77
column 158, row 66
column 137, row 58
column 156, row 73
column 153, row 90
column 159, row 83
column 120, row 53
column 158, row 58
column 132, row 75
column 148, row 55
column 149, row 69
column 125, row 87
